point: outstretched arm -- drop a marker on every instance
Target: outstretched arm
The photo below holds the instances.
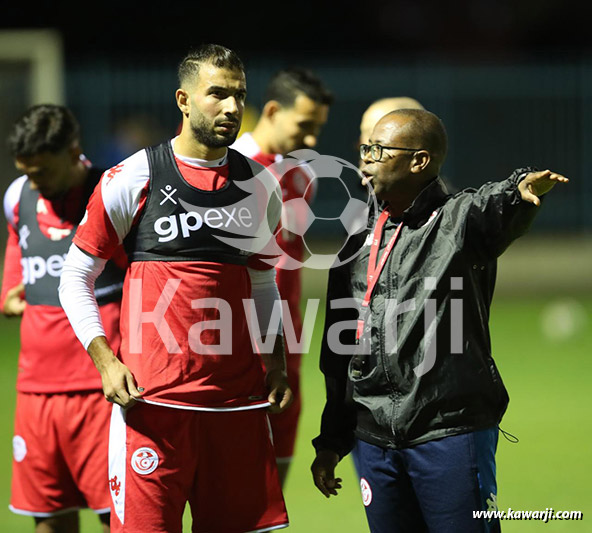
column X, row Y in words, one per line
column 500, row 212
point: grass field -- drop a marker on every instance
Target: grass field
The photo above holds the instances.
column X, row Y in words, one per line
column 542, row 341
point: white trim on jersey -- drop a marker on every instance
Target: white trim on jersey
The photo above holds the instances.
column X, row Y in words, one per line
column 15, row 510
column 118, row 458
column 206, row 409
column 12, row 197
column 281, row 526
column 269, row 429
column 203, row 163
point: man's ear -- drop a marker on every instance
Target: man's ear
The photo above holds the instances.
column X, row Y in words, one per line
column 182, row 98
column 270, row 109
column 75, row 151
column 420, row 161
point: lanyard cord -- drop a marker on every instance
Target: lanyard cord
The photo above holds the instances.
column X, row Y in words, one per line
column 375, row 269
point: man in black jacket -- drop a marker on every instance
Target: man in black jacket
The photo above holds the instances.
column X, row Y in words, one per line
column 414, row 388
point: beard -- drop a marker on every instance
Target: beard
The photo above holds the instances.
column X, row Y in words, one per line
column 204, row 133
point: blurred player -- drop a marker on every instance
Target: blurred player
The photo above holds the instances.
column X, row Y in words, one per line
column 60, row 439
column 295, row 110
column 198, row 430
column 381, row 107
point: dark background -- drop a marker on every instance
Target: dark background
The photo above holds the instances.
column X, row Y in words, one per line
column 469, row 28
column 512, row 80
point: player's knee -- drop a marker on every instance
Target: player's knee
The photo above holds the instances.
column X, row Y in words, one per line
column 63, row 523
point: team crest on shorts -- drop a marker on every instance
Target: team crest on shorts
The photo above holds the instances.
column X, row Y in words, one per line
column 144, row 461
column 19, row 448
column 366, row 492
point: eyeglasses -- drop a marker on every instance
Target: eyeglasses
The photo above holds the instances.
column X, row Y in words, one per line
column 375, row 150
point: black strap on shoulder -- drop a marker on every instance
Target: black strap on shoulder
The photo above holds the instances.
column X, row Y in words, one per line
column 238, row 162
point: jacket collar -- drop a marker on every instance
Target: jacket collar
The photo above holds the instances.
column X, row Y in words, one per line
column 433, row 195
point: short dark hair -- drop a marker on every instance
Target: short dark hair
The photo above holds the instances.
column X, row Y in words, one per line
column 216, row 54
column 43, row 128
column 288, row 83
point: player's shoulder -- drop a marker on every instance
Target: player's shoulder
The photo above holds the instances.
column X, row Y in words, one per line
column 124, row 181
column 246, row 145
column 15, row 189
column 13, row 195
column 249, row 148
column 122, row 184
column 131, row 167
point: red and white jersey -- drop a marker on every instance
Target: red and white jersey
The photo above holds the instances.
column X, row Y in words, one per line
column 51, row 359
column 173, row 311
column 295, row 183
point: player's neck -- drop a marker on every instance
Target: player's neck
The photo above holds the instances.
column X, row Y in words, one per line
column 263, row 137
column 78, row 175
column 186, row 145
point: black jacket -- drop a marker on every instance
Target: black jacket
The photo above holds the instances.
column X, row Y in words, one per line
column 441, row 271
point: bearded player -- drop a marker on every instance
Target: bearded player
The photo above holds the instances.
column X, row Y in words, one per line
column 189, row 390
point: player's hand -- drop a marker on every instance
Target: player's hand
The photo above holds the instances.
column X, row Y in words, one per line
column 14, row 303
column 280, row 395
column 119, row 385
column 535, row 184
column 323, row 472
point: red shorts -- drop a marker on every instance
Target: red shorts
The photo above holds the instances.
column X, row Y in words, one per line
column 222, row 463
column 284, row 426
column 60, row 453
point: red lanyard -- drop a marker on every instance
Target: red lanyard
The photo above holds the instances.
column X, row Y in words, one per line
column 375, row 269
